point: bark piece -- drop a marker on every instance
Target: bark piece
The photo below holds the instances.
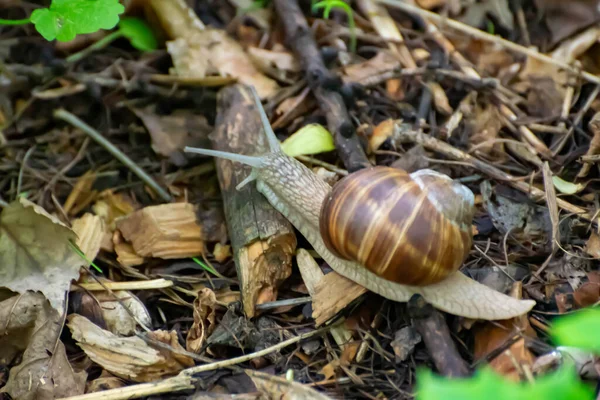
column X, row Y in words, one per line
column 263, row 241
column 166, row 231
column 333, row 293
column 323, row 83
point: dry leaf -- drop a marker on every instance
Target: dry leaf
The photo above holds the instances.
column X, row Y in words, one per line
column 280, row 388
column 564, row 18
column 35, row 253
column 360, row 73
column 82, row 193
column 281, row 60
column 111, row 206
column 484, row 124
column 171, row 133
column 381, row 133
column 592, row 247
column 116, row 317
column 204, row 320
column 222, row 252
column 164, row 231
column 44, row 372
column 490, row 336
column 129, row 358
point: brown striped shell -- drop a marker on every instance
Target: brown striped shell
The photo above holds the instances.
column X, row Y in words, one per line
column 413, row 229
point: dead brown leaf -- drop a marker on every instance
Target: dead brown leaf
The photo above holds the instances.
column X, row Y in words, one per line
column 564, row 18
column 35, row 253
column 129, row 358
column 44, row 373
column 280, row 388
column 592, row 247
column 111, row 205
column 171, row 133
column 360, row 73
column 204, row 320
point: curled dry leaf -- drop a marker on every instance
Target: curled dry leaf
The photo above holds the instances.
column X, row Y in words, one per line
column 129, row 358
column 164, row 231
column 44, row 373
column 204, row 320
column 35, row 253
column 116, row 317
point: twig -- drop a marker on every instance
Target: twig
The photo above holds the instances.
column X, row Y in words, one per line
column 132, row 285
column 175, row 384
column 324, row 84
column 251, row 356
column 283, row 303
column 481, row 35
column 112, row 149
column 456, row 154
column 432, row 327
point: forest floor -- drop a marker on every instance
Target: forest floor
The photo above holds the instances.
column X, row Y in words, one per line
column 131, row 267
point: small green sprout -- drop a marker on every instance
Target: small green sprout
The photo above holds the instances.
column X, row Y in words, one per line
column 207, row 268
column 328, row 5
column 81, row 254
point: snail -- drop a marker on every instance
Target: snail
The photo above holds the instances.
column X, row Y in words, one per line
column 321, row 212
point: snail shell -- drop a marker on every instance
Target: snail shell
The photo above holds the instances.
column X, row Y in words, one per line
column 412, row 229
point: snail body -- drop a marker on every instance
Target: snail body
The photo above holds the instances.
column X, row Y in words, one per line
column 308, row 202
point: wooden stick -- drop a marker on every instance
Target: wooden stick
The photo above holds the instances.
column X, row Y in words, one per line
column 324, row 84
column 263, row 241
column 432, row 327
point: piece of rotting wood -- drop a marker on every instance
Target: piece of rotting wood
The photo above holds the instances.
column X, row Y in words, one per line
column 263, row 241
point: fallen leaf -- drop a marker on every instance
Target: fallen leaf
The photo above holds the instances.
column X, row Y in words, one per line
column 477, row 13
column 404, row 342
column 282, row 60
column 280, row 388
column 564, row 18
column 204, row 320
column 44, row 373
column 35, row 253
column 384, row 61
column 172, row 133
column 566, row 187
column 310, row 139
column 111, row 206
column 382, row 132
column 129, row 358
column 118, row 320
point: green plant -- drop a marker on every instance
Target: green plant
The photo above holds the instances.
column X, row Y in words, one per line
column 328, row 5
column 65, row 19
column 135, row 30
column 578, row 330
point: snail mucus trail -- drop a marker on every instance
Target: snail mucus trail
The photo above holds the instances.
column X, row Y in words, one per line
column 298, row 194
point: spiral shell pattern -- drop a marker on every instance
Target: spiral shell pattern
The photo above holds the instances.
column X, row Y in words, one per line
column 413, row 229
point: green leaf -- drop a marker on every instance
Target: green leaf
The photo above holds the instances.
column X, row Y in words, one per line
column 579, row 329
column 139, row 34
column 67, row 18
column 566, row 187
column 310, row 139
column 562, row 384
